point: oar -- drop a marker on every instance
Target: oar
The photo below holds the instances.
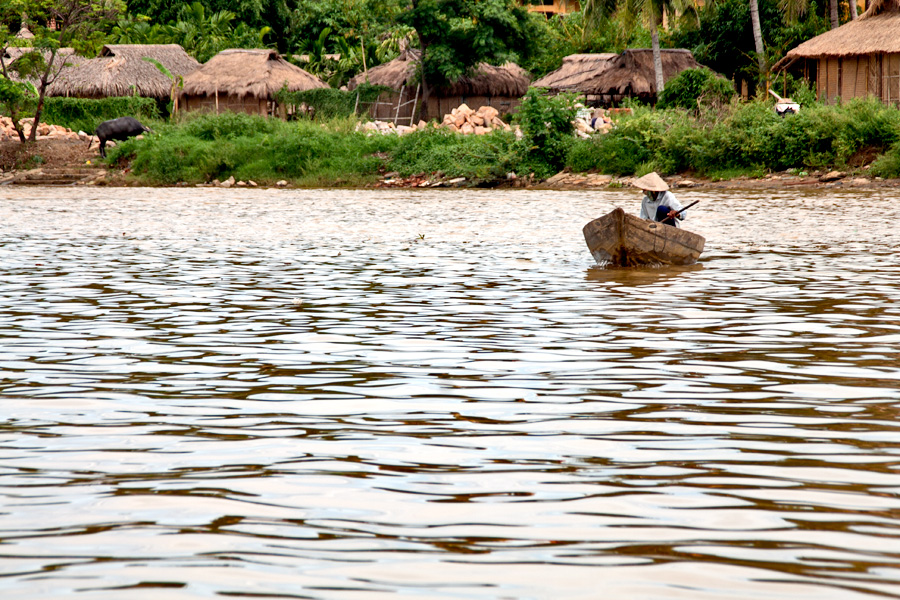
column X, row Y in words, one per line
column 682, row 210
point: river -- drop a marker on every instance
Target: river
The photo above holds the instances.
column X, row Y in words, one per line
column 437, row 394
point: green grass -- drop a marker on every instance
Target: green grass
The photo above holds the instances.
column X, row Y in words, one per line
column 740, row 139
column 248, row 147
column 744, row 138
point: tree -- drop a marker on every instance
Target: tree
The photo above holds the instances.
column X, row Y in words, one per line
column 56, row 24
column 456, row 35
column 757, row 37
column 650, row 11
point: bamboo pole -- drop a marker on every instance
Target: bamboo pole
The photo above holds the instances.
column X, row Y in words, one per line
column 399, row 102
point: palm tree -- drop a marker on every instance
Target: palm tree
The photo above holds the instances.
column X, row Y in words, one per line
column 595, row 11
column 757, row 36
column 833, row 13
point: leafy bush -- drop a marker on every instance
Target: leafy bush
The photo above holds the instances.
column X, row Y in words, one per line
column 546, row 123
column 454, row 155
column 747, row 137
column 16, row 98
column 84, row 114
column 888, row 164
column 693, row 86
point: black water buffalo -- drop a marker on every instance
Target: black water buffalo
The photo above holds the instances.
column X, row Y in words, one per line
column 118, row 129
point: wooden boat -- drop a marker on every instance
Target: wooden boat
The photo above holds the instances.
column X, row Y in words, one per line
column 624, row 240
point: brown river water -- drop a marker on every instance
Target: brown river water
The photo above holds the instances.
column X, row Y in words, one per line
column 436, row 394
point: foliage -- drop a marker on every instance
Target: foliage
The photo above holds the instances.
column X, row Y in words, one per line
column 329, row 103
column 79, row 24
column 453, row 155
column 456, row 35
column 16, row 99
column 546, row 123
column 888, row 164
column 562, row 35
column 723, row 39
column 692, row 86
column 353, row 20
column 250, row 147
column 748, row 137
column 201, row 33
column 84, row 114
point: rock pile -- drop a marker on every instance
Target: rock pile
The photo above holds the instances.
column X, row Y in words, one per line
column 388, row 128
column 479, row 122
column 45, row 130
column 486, row 119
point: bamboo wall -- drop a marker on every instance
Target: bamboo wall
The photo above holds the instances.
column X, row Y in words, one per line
column 859, row 76
column 247, row 104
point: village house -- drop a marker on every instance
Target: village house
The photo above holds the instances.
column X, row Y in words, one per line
column 858, row 59
column 247, row 81
column 120, row 70
column 500, row 87
column 631, row 75
column 576, row 70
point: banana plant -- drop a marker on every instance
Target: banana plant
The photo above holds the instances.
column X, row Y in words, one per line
column 177, row 82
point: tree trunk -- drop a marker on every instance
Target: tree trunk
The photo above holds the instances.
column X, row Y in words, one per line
column 42, row 91
column 833, row 11
column 757, row 38
column 854, row 10
column 426, row 91
column 657, row 56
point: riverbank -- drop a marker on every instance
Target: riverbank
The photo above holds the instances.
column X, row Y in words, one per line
column 60, row 155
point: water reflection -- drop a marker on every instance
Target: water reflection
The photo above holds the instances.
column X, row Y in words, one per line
column 631, row 276
column 359, row 394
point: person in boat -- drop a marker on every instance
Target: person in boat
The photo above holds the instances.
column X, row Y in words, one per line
column 658, row 203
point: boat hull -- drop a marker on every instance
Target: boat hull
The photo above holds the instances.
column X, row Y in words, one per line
column 624, row 240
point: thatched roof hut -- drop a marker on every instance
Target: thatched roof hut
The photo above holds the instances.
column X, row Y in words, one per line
column 499, row 86
column 120, row 70
column 244, row 81
column 575, row 70
column 631, row 74
column 857, row 59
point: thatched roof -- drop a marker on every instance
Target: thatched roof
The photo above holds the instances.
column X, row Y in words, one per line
column 120, row 70
column 394, row 74
column 632, row 73
column 507, row 80
column 256, row 73
column 876, row 30
column 14, row 53
column 575, row 70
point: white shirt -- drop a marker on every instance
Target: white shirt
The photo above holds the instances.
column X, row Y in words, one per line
column 649, row 206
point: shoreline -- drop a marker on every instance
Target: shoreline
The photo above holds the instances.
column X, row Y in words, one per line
column 73, row 163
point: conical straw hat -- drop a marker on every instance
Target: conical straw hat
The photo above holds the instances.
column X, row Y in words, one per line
column 651, row 182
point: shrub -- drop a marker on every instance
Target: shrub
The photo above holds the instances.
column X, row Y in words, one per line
column 888, row 164
column 456, row 155
column 84, row 114
column 208, row 147
column 547, row 127
column 693, row 86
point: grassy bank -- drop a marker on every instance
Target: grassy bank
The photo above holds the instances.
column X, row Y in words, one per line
column 722, row 142
column 208, row 147
column 746, row 138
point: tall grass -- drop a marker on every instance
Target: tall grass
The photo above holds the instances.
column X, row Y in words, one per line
column 248, row 147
